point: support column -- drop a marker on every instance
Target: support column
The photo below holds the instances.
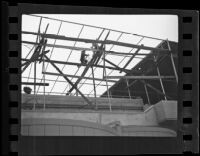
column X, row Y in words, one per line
column 129, row 93
column 105, row 75
column 172, row 60
column 147, row 94
column 174, row 68
column 161, row 83
column 95, row 96
column 34, row 85
column 44, row 85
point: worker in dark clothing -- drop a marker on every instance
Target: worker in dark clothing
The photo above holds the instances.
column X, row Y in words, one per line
column 83, row 57
column 99, row 52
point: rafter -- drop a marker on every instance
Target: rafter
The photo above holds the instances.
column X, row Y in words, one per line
column 52, row 36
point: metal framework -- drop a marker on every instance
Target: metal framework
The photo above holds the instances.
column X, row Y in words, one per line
column 99, row 60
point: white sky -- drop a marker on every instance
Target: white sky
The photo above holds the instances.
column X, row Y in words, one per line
column 158, row 26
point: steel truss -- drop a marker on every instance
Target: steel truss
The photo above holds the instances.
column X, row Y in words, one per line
column 39, row 55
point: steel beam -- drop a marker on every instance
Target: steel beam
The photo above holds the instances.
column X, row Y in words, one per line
column 79, row 64
column 131, row 59
column 62, row 81
column 52, row 36
column 117, row 67
column 147, row 94
column 89, row 49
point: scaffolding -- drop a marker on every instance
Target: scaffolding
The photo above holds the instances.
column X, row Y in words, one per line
column 99, row 60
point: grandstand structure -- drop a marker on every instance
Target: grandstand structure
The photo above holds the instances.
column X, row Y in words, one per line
column 127, row 87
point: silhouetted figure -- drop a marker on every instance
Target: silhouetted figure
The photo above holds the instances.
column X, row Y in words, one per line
column 83, row 57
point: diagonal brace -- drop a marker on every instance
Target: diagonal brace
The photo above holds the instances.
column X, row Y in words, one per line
column 65, row 77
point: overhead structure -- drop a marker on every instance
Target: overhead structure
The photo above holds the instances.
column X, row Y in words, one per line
column 56, row 53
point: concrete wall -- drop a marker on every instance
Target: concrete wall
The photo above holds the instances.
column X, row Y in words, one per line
column 152, row 116
column 125, row 118
column 148, row 131
column 66, row 127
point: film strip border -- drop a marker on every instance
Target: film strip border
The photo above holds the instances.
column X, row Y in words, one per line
column 188, row 86
column 188, row 82
column 14, row 77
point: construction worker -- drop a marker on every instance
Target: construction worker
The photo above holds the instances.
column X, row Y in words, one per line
column 83, row 57
column 99, row 51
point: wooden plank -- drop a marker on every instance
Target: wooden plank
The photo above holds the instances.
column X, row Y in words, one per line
column 95, row 94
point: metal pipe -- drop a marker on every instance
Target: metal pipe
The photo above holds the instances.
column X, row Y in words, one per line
column 34, row 85
column 147, row 94
column 161, row 83
column 129, row 93
column 110, row 107
column 89, row 78
column 43, row 65
column 94, row 87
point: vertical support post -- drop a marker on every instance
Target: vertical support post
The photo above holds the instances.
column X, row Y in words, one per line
column 173, row 64
column 172, row 60
column 95, row 96
column 161, row 83
column 107, row 84
column 147, row 94
column 77, row 91
column 44, row 100
column 104, row 64
column 129, row 93
column 34, row 85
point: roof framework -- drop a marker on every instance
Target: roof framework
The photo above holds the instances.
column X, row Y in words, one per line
column 56, row 53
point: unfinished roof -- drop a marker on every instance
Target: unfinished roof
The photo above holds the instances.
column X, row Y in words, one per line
column 66, row 40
